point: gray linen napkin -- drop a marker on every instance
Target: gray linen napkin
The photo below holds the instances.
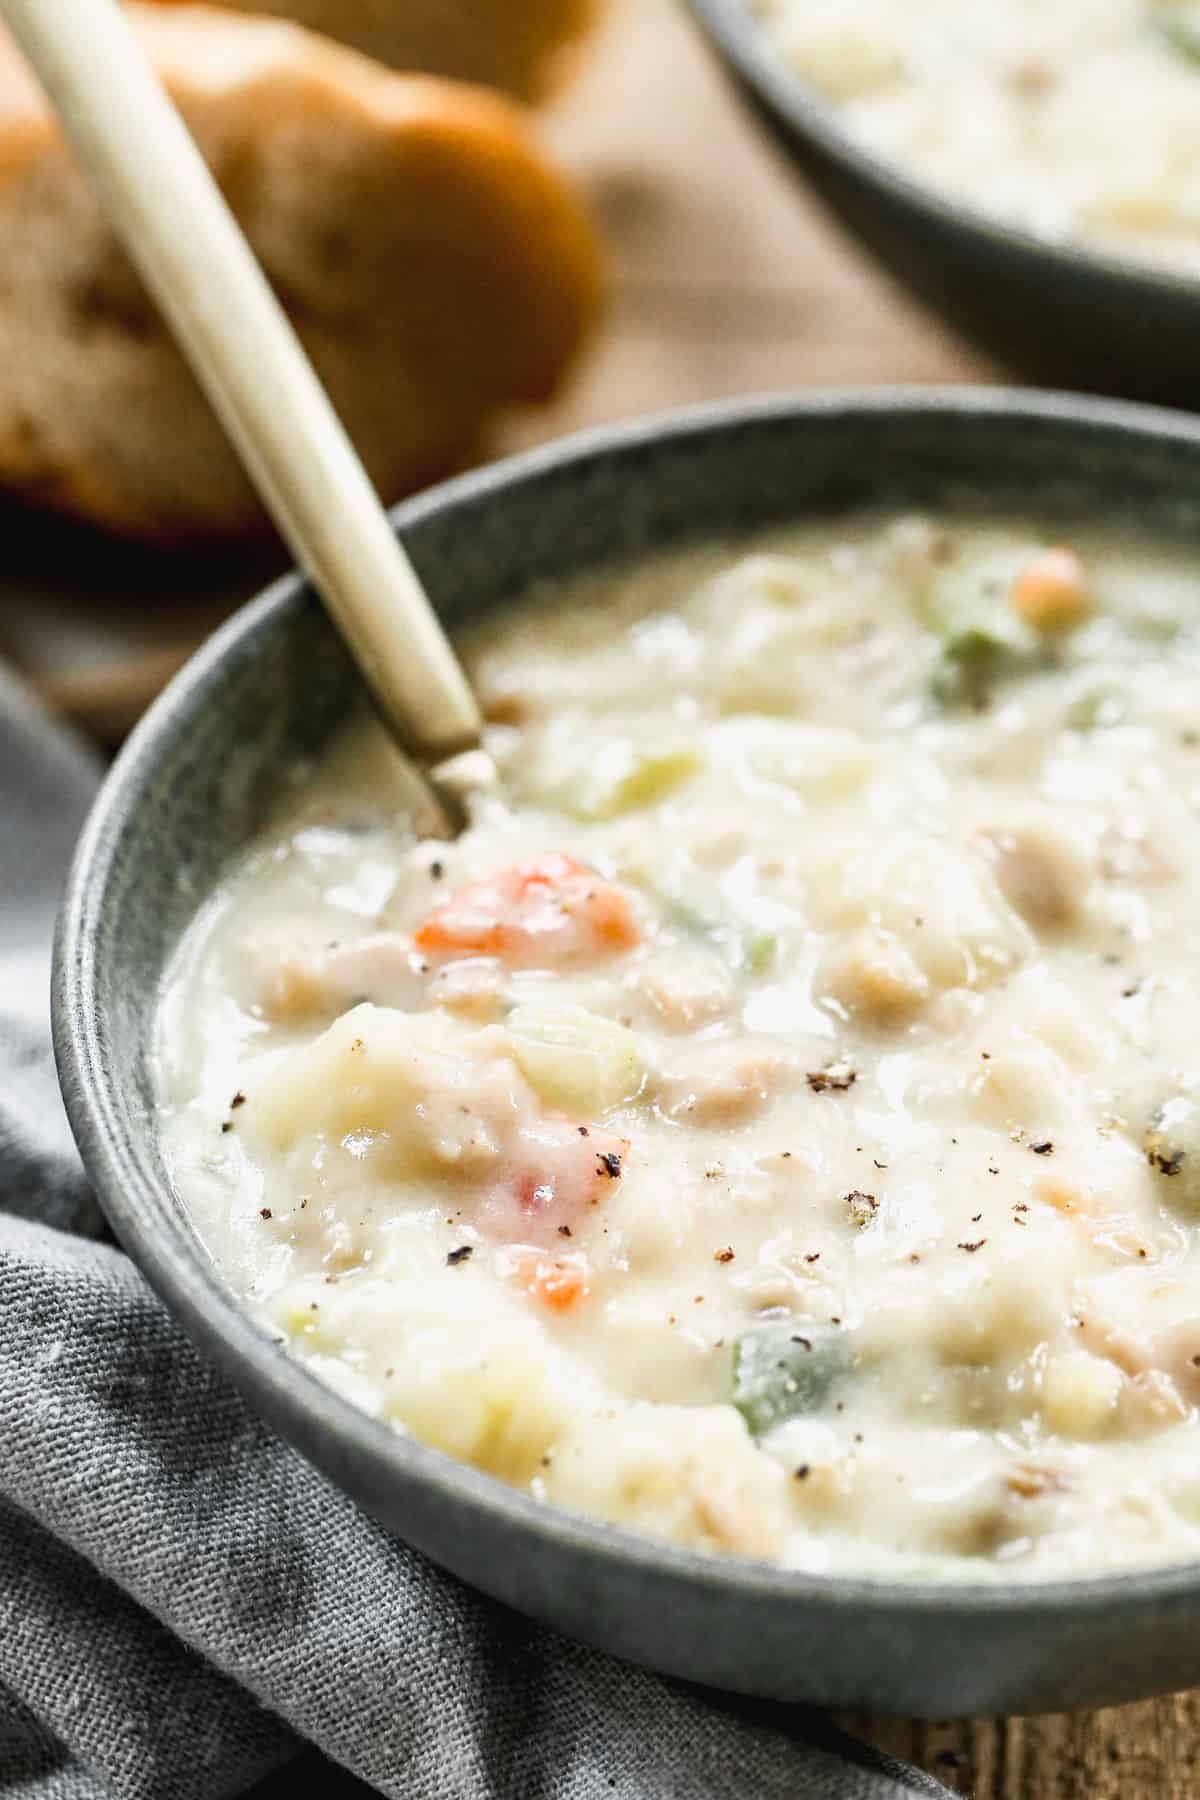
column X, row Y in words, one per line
column 186, row 1605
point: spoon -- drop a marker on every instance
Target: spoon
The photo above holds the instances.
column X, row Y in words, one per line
column 162, row 201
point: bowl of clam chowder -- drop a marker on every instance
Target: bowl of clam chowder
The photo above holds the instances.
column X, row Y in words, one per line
column 1028, row 169
column 740, row 1200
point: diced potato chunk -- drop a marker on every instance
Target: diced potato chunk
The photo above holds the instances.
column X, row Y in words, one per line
column 488, row 1399
column 1080, row 1394
column 688, row 1473
column 413, row 1098
column 402, row 1088
column 461, row 1362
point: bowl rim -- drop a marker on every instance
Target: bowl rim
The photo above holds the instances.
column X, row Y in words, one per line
column 743, row 43
column 149, row 1223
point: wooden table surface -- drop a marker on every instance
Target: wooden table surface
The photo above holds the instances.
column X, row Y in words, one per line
column 727, row 279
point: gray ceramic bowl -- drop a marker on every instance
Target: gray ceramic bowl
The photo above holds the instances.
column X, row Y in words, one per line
column 1068, row 317
column 203, row 771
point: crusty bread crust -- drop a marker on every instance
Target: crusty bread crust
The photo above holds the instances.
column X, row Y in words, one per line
column 521, row 46
column 434, row 264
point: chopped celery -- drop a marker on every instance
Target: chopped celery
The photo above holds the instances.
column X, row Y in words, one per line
column 1179, row 24
column 651, row 776
column 1096, row 709
column 743, row 947
column 784, row 1369
column 1155, row 626
column 759, row 949
column 983, row 640
column 573, row 1057
column 625, row 777
column 976, row 655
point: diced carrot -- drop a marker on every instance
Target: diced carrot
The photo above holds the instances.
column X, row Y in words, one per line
column 557, row 1285
column 534, row 912
column 1051, row 593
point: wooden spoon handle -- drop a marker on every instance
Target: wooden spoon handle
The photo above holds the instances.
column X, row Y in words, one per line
column 164, row 204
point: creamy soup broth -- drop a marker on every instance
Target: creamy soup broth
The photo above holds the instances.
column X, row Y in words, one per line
column 1077, row 119
column 781, row 1133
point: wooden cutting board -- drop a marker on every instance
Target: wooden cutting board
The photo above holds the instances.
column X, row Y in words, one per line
column 727, row 279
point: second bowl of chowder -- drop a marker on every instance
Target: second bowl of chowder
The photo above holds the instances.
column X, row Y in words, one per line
column 1079, row 122
column 754, row 1181
column 1029, row 169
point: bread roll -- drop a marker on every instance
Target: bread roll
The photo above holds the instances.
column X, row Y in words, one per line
column 518, row 45
column 433, row 263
